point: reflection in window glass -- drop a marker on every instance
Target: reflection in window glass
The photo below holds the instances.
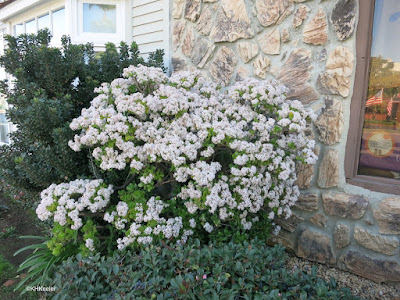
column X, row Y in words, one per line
column 19, row 29
column 4, row 131
column 58, row 17
column 44, row 22
column 99, row 18
column 30, row 26
column 380, row 146
column 3, row 122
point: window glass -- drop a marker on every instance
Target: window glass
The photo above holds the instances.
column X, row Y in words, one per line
column 99, row 18
column 30, row 26
column 44, row 22
column 19, row 29
column 3, row 122
column 380, row 145
column 58, row 18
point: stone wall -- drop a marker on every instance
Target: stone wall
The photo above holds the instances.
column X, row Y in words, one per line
column 309, row 45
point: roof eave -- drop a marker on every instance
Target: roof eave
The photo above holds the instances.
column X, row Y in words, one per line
column 10, row 8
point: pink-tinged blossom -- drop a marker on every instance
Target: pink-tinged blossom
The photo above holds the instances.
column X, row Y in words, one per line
column 70, row 199
column 186, row 123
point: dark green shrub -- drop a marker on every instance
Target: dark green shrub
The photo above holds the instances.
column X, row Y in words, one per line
column 231, row 271
column 50, row 87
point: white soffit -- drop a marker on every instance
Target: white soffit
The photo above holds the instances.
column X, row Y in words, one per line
column 18, row 7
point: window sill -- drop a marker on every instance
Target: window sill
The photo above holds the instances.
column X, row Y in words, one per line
column 376, row 184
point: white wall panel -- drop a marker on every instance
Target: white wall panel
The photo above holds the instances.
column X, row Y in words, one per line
column 151, row 26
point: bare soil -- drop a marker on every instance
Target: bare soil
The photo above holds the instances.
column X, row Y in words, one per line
column 24, row 222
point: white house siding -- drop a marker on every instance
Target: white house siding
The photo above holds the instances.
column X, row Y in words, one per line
column 4, row 125
column 150, row 26
column 3, row 32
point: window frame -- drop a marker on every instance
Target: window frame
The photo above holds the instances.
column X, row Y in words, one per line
column 34, row 15
column 83, row 18
column 357, row 107
column 9, row 129
column 34, row 22
column 100, row 39
column 49, row 13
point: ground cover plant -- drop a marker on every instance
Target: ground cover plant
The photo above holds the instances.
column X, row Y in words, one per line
column 247, row 270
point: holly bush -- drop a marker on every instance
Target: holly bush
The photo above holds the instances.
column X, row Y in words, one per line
column 48, row 88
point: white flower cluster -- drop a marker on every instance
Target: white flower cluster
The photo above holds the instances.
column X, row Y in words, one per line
column 190, row 125
column 140, row 230
column 65, row 201
column 89, row 243
column 145, row 75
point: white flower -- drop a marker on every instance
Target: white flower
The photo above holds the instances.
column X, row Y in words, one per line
column 122, row 209
column 208, row 227
column 147, row 179
column 231, row 153
column 88, row 194
column 192, row 223
column 271, row 215
column 89, row 244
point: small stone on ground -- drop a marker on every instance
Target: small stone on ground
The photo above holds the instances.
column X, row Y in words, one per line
column 9, row 283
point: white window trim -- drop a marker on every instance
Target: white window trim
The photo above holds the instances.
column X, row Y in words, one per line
column 99, row 39
column 39, row 10
column 21, row 11
column 168, row 40
column 8, row 125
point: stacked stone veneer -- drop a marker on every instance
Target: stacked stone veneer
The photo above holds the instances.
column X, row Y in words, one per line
column 309, row 45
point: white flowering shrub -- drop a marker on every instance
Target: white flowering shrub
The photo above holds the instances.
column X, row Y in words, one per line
column 200, row 162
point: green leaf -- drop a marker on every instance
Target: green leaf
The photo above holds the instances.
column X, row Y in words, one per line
column 34, row 247
column 303, row 295
column 238, row 266
column 31, row 257
column 116, row 269
column 36, row 237
column 34, row 262
column 29, row 276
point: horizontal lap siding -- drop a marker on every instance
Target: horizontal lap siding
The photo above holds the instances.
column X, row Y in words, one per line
column 151, row 25
column 150, row 37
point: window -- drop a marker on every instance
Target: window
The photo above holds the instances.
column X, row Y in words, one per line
column 58, row 18
column 53, row 20
column 19, row 29
column 30, row 26
column 373, row 145
column 4, row 125
column 100, row 21
column 94, row 21
column 99, row 18
column 44, row 22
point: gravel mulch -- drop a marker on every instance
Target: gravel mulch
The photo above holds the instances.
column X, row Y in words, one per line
column 359, row 286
